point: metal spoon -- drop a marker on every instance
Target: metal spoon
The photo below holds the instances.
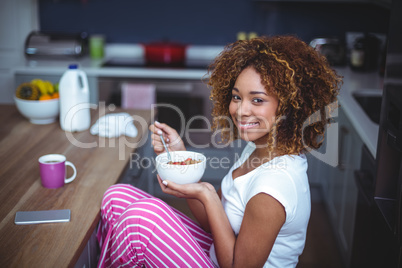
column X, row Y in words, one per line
column 164, row 145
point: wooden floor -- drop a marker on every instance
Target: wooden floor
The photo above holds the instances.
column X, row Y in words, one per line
column 320, row 250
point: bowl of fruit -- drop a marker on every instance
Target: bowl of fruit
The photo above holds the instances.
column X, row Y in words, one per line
column 38, row 101
column 184, row 166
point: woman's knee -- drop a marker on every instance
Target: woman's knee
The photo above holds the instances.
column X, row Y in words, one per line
column 118, row 189
column 148, row 210
column 120, row 193
column 116, row 199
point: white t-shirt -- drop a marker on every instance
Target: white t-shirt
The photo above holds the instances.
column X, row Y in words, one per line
column 285, row 179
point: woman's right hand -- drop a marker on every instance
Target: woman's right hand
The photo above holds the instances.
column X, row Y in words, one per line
column 172, row 138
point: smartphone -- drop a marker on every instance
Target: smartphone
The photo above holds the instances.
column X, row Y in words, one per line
column 43, row 216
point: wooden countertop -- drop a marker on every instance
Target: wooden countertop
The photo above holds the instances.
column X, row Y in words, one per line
column 98, row 166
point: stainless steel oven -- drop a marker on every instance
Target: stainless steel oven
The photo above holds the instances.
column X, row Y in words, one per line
column 187, row 99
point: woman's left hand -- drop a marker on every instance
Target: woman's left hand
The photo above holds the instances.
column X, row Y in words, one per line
column 198, row 190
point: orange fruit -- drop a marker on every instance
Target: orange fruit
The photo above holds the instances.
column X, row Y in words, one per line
column 45, row 97
column 55, row 95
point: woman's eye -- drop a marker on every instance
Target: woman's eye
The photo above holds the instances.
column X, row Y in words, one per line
column 235, row 97
column 258, row 100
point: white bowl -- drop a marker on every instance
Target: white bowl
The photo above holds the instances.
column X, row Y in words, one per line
column 38, row 112
column 181, row 174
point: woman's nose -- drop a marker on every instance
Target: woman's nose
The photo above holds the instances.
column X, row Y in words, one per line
column 243, row 109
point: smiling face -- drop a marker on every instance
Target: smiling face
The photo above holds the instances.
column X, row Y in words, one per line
column 252, row 108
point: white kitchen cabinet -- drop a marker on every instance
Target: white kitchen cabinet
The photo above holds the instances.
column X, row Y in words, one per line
column 339, row 189
column 89, row 256
column 337, row 184
column 17, row 19
column 316, row 167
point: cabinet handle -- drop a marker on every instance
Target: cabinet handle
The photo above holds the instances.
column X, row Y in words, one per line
column 343, row 132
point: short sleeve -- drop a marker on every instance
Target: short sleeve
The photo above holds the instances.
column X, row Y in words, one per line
column 278, row 184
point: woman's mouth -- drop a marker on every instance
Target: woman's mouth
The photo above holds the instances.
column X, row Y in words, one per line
column 247, row 125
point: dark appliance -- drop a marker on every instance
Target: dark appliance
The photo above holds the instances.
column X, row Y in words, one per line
column 388, row 184
column 365, row 53
column 374, row 245
column 40, row 44
column 378, row 230
column 388, row 179
column 333, row 48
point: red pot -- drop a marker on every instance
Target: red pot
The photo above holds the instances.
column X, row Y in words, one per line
column 165, row 54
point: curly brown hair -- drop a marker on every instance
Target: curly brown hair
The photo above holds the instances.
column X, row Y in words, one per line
column 295, row 73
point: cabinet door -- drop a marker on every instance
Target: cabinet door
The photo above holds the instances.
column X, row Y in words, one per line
column 347, row 220
column 337, row 176
column 342, row 191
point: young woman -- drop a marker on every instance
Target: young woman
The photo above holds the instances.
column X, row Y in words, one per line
column 265, row 91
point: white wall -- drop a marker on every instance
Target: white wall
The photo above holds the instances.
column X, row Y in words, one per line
column 17, row 19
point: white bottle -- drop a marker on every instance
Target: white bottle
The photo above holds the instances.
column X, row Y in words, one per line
column 74, row 100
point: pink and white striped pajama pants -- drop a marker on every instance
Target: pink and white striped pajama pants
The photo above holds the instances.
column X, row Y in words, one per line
column 139, row 230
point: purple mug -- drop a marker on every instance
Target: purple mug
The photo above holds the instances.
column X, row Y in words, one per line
column 53, row 170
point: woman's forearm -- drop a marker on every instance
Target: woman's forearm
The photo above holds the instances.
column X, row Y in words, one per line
column 198, row 211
